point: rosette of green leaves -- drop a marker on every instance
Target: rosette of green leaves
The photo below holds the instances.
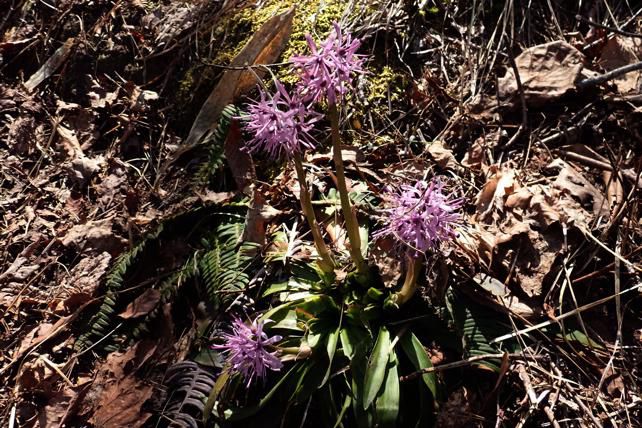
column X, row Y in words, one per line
column 346, row 357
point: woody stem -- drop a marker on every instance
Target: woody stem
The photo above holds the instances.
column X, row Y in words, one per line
column 352, row 225
column 325, row 259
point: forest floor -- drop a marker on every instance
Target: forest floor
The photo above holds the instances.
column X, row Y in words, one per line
column 103, row 172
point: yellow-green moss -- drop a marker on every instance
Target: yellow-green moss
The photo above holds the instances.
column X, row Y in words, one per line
column 312, row 16
column 384, row 83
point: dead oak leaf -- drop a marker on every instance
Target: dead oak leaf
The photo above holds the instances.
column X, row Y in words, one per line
column 546, row 72
column 121, row 404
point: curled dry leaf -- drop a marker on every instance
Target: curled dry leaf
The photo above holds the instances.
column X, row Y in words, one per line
column 142, row 305
column 501, row 183
column 546, row 72
column 441, row 155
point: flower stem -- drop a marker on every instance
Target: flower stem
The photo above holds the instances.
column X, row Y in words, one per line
column 325, row 262
column 300, row 352
column 352, row 225
column 410, row 284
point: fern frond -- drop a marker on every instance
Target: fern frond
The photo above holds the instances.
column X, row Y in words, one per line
column 215, row 145
column 104, row 321
column 196, row 221
column 168, row 290
column 188, row 386
column 224, row 268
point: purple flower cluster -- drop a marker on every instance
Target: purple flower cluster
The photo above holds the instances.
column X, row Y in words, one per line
column 247, row 349
column 421, row 216
column 280, row 124
column 327, row 71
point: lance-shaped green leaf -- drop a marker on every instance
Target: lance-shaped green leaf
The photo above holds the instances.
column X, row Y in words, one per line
column 387, row 404
column 331, row 348
column 376, row 369
column 419, row 359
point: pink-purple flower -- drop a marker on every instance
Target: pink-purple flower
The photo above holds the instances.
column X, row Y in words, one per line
column 328, row 71
column 280, row 124
column 250, row 350
column 422, row 216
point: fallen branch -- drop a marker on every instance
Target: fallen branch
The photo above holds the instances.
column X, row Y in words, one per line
column 564, row 315
column 468, row 362
column 629, row 174
column 598, row 80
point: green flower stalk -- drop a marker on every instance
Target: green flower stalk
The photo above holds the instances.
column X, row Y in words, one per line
column 352, row 225
column 413, row 267
column 280, row 125
column 327, row 74
column 325, row 261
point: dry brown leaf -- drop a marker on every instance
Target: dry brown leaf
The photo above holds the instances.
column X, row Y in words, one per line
column 70, row 304
column 570, row 180
column 475, row 157
column 257, row 217
column 61, row 405
column 209, row 197
column 121, row 404
column 142, row 305
column 531, row 255
column 546, row 71
column 87, row 274
column 543, row 210
column 100, row 97
column 389, row 266
column 34, row 337
column 96, row 234
column 263, row 48
column 441, row 155
column 69, row 141
column 32, row 375
column 500, row 184
column 239, row 161
column 117, row 395
column 618, row 52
